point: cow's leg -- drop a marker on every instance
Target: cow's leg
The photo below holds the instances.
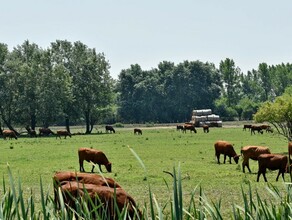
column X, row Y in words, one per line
column 100, row 167
column 258, row 177
column 224, row 158
column 246, row 163
column 280, row 172
column 248, row 168
column 218, row 158
column 243, row 166
column 81, row 168
column 92, row 168
column 264, row 174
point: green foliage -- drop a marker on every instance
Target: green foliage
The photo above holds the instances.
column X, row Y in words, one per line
column 278, row 113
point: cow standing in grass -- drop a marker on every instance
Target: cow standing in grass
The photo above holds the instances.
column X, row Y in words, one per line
column 9, row 133
column 63, row 133
column 45, row 132
column 189, row 127
column 94, row 156
column 252, row 152
column 110, row 129
column 137, row 131
column 225, row 148
column 206, row 128
column 272, row 162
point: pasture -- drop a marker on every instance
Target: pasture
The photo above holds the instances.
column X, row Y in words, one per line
column 160, row 149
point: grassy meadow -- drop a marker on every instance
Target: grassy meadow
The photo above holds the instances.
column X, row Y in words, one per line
column 159, row 148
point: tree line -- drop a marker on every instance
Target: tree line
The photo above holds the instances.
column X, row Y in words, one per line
column 70, row 83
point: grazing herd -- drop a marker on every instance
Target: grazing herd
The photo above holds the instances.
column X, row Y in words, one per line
column 46, row 132
column 266, row 160
column 75, row 185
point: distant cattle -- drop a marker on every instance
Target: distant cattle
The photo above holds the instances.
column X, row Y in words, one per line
column 94, row 156
column 31, row 132
column 189, row 127
column 137, row 131
column 103, row 196
column 252, row 152
column 272, row 162
column 206, row 128
column 225, row 148
column 45, row 132
column 63, row 133
column 257, row 128
column 179, row 127
column 248, row 126
column 267, row 128
column 110, row 129
column 9, row 134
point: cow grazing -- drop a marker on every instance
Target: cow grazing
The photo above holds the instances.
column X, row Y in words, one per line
column 9, row 133
column 225, row 148
column 272, row 162
column 45, row 132
column 257, row 128
column 100, row 193
column 94, row 156
column 31, row 132
column 110, row 129
column 252, row 152
column 246, row 127
column 189, row 127
column 63, row 133
column 206, row 128
column 179, row 127
column 137, row 131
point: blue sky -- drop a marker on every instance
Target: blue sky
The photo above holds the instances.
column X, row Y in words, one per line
column 148, row 32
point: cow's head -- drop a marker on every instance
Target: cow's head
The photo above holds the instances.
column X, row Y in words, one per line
column 236, row 158
column 109, row 167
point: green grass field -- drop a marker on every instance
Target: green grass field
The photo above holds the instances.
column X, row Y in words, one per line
column 160, row 149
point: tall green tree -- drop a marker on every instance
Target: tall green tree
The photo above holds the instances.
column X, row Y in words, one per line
column 265, row 80
column 25, row 64
column 61, row 53
column 92, row 82
column 231, row 81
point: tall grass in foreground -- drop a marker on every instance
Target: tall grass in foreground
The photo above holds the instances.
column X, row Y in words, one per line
column 15, row 206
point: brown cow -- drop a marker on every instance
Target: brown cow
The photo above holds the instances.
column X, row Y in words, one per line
column 103, row 194
column 246, row 126
column 110, row 129
column 252, row 152
column 206, row 128
column 94, row 156
column 189, row 127
column 272, row 162
column 31, row 132
column 179, row 127
column 9, row 133
column 63, row 133
column 256, row 128
column 225, row 148
column 137, row 131
column 45, row 132
column 86, row 178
